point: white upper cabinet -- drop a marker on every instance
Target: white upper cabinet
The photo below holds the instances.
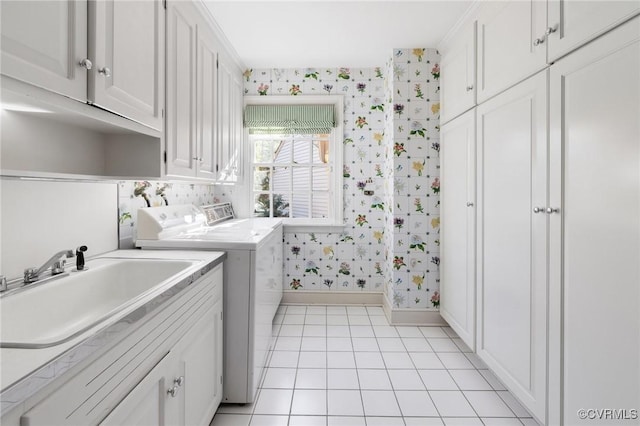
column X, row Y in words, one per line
column 511, row 44
column 573, row 23
column 107, row 53
column 180, row 135
column 44, row 42
column 207, row 96
column 204, row 100
column 458, row 225
column 230, row 119
column 458, row 73
column 126, row 44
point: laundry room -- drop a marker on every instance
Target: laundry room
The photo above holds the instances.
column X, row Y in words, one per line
column 331, row 213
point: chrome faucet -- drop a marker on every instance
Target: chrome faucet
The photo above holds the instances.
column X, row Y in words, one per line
column 56, row 263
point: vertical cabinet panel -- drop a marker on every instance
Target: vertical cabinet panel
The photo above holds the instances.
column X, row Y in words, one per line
column 512, row 239
column 230, row 129
column 148, row 403
column 595, row 250
column 458, row 75
column 180, row 136
column 576, row 22
column 511, row 44
column 207, row 102
column 128, row 76
column 43, row 43
column 457, row 228
column 200, row 358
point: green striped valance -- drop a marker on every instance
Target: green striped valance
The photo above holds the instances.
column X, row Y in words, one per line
column 279, row 119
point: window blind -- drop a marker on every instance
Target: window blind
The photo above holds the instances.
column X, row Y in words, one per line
column 286, row 119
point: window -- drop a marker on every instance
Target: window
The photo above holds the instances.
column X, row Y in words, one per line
column 295, row 172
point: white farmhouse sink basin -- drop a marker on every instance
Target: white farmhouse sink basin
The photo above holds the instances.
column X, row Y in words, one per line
column 57, row 310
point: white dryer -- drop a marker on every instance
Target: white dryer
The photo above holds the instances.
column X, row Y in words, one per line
column 252, row 279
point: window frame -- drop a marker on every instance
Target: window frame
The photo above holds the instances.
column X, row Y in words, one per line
column 336, row 154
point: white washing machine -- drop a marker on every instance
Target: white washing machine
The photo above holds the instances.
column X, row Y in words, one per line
column 252, row 279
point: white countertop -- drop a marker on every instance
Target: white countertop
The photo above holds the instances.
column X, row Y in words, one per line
column 17, row 365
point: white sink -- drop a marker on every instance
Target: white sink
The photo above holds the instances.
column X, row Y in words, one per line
column 58, row 310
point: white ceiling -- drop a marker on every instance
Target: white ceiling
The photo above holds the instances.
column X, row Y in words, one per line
column 357, row 34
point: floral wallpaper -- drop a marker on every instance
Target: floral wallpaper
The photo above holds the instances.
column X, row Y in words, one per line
column 353, row 260
column 412, row 112
column 134, row 195
column 390, row 242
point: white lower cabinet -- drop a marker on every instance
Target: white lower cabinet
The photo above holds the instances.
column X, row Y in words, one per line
column 458, row 225
column 167, row 372
column 149, row 403
column 594, row 322
column 512, row 239
column 185, row 387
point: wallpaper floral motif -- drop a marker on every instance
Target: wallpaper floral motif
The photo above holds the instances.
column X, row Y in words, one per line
column 134, row 195
column 353, row 260
column 413, row 148
column 391, row 146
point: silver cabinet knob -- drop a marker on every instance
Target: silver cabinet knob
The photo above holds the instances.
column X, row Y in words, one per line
column 105, row 71
column 469, row 88
column 197, row 158
column 538, row 41
column 551, row 30
column 551, row 210
column 469, row 204
column 86, row 64
column 538, row 209
column 173, row 391
column 179, row 381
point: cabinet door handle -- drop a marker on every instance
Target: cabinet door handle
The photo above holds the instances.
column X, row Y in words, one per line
column 86, row 64
column 469, row 88
column 197, row 158
column 469, row 204
column 538, row 209
column 551, row 30
column 551, row 210
column 538, row 41
column 179, row 381
column 173, row 391
column 106, row 71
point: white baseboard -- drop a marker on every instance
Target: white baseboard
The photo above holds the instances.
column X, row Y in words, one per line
column 332, row 298
column 426, row 317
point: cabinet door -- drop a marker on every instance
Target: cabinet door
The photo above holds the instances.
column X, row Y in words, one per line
column 512, row 239
column 126, row 42
column 576, row 22
column 458, row 74
column 230, row 128
column 180, row 135
column 457, row 227
column 200, row 357
column 511, row 46
column 43, row 43
column 595, row 236
column 207, row 83
column 148, row 403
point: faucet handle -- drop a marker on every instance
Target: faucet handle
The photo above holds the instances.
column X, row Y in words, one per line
column 58, row 267
column 30, row 275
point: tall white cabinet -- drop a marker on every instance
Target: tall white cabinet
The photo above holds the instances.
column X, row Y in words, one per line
column 512, row 239
column 594, row 318
column 458, row 225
